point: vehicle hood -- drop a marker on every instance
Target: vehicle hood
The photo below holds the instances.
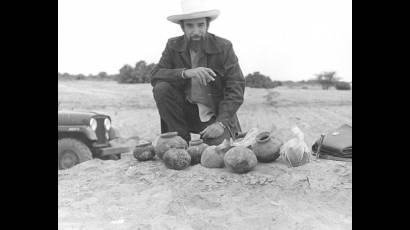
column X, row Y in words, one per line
column 67, row 117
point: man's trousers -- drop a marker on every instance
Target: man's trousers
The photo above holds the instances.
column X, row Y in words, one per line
column 177, row 114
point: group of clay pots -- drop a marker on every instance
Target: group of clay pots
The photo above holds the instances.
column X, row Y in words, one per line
column 176, row 153
column 170, row 148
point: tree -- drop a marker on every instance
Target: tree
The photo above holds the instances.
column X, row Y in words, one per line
column 80, row 76
column 258, row 80
column 327, row 79
column 102, row 75
column 139, row 74
column 125, row 75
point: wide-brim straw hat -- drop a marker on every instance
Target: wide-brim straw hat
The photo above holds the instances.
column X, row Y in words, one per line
column 192, row 9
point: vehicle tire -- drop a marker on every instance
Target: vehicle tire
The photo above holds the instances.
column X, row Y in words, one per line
column 72, row 152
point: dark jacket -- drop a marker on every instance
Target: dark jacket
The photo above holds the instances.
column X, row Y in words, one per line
column 229, row 86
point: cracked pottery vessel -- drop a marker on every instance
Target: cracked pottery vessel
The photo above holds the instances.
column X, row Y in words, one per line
column 144, row 151
column 177, row 159
column 167, row 141
column 195, row 150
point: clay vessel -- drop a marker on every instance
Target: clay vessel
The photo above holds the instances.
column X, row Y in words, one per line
column 266, row 147
column 195, row 149
column 212, row 157
column 240, row 159
column 144, row 151
column 168, row 140
column 177, row 159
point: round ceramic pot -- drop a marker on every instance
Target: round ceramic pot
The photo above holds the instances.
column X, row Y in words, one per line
column 240, row 159
column 144, row 151
column 177, row 159
column 195, row 149
column 212, row 157
column 266, row 147
column 167, row 141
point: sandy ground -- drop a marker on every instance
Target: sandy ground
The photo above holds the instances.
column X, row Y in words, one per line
column 127, row 194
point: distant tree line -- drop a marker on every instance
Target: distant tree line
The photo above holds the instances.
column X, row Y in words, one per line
column 100, row 76
column 140, row 73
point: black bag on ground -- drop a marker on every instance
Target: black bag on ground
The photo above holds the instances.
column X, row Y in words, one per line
column 336, row 145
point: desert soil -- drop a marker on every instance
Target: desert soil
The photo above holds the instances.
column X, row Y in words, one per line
column 128, row 194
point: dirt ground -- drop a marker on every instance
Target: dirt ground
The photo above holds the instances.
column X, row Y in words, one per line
column 127, row 194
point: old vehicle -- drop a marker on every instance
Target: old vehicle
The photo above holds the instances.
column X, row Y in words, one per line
column 85, row 135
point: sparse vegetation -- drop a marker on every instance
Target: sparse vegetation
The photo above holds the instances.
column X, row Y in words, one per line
column 327, row 79
column 139, row 74
column 342, row 85
column 258, row 80
column 103, row 76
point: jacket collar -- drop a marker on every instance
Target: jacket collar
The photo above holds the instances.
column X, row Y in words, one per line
column 210, row 46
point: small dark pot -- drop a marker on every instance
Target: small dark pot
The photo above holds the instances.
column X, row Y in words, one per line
column 167, row 141
column 144, row 151
column 195, row 149
column 266, row 147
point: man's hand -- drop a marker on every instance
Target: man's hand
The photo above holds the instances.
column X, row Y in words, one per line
column 204, row 75
column 212, row 131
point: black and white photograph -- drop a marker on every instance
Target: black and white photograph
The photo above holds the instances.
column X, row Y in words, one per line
column 204, row 114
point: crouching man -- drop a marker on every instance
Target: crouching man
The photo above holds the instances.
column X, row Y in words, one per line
column 198, row 85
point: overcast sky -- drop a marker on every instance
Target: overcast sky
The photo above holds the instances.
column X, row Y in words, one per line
column 284, row 39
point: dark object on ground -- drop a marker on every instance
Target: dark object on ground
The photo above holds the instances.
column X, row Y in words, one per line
column 266, row 147
column 195, row 150
column 177, row 159
column 169, row 140
column 240, row 159
column 84, row 135
column 144, row 151
column 337, row 145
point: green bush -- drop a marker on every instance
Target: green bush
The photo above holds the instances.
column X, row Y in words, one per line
column 341, row 85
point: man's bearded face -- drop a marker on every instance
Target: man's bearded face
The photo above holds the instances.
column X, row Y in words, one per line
column 195, row 30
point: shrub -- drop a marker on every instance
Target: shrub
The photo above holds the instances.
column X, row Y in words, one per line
column 138, row 74
column 258, row 80
column 341, row 85
column 327, row 79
